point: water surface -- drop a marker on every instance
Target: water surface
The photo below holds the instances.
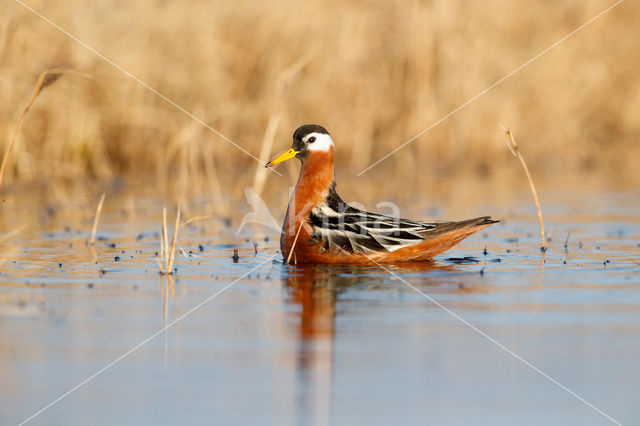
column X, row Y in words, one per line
column 269, row 343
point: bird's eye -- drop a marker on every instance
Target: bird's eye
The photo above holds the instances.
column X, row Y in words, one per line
column 312, row 139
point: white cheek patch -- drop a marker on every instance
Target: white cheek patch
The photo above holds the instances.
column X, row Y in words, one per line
column 323, row 142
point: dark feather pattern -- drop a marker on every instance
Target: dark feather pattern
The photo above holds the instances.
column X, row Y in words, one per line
column 341, row 227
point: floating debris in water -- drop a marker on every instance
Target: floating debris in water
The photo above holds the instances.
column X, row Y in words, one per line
column 462, row 260
column 90, row 285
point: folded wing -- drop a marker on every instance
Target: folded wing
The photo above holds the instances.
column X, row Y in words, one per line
column 340, row 227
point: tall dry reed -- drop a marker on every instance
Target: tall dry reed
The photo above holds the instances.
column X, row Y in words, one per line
column 513, row 147
column 45, row 79
column 168, row 251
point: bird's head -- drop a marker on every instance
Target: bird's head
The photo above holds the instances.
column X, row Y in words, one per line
column 307, row 139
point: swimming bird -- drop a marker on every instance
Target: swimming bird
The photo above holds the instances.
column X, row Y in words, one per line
column 321, row 228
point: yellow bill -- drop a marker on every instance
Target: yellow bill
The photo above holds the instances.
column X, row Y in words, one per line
column 284, row 157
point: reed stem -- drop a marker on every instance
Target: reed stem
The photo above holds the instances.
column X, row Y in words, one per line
column 513, row 146
column 96, row 219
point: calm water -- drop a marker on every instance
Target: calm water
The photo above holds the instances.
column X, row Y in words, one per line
column 259, row 342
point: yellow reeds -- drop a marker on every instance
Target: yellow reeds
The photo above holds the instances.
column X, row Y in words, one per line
column 378, row 77
column 96, row 218
column 282, row 85
column 168, row 252
column 45, row 79
column 295, row 240
column 513, row 146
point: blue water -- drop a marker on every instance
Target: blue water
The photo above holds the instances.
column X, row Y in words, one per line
column 321, row 344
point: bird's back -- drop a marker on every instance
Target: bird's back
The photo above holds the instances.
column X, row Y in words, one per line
column 336, row 232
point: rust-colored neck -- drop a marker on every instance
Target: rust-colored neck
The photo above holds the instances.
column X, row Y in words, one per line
column 316, row 177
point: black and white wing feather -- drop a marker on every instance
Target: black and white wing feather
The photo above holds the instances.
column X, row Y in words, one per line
column 341, row 227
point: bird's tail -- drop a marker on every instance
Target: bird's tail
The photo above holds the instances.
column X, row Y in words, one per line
column 468, row 226
column 446, row 235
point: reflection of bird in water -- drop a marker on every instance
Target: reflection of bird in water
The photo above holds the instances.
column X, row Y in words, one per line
column 331, row 231
column 315, row 291
column 260, row 214
column 316, row 288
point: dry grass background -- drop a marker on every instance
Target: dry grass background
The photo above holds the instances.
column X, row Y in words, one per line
column 378, row 72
